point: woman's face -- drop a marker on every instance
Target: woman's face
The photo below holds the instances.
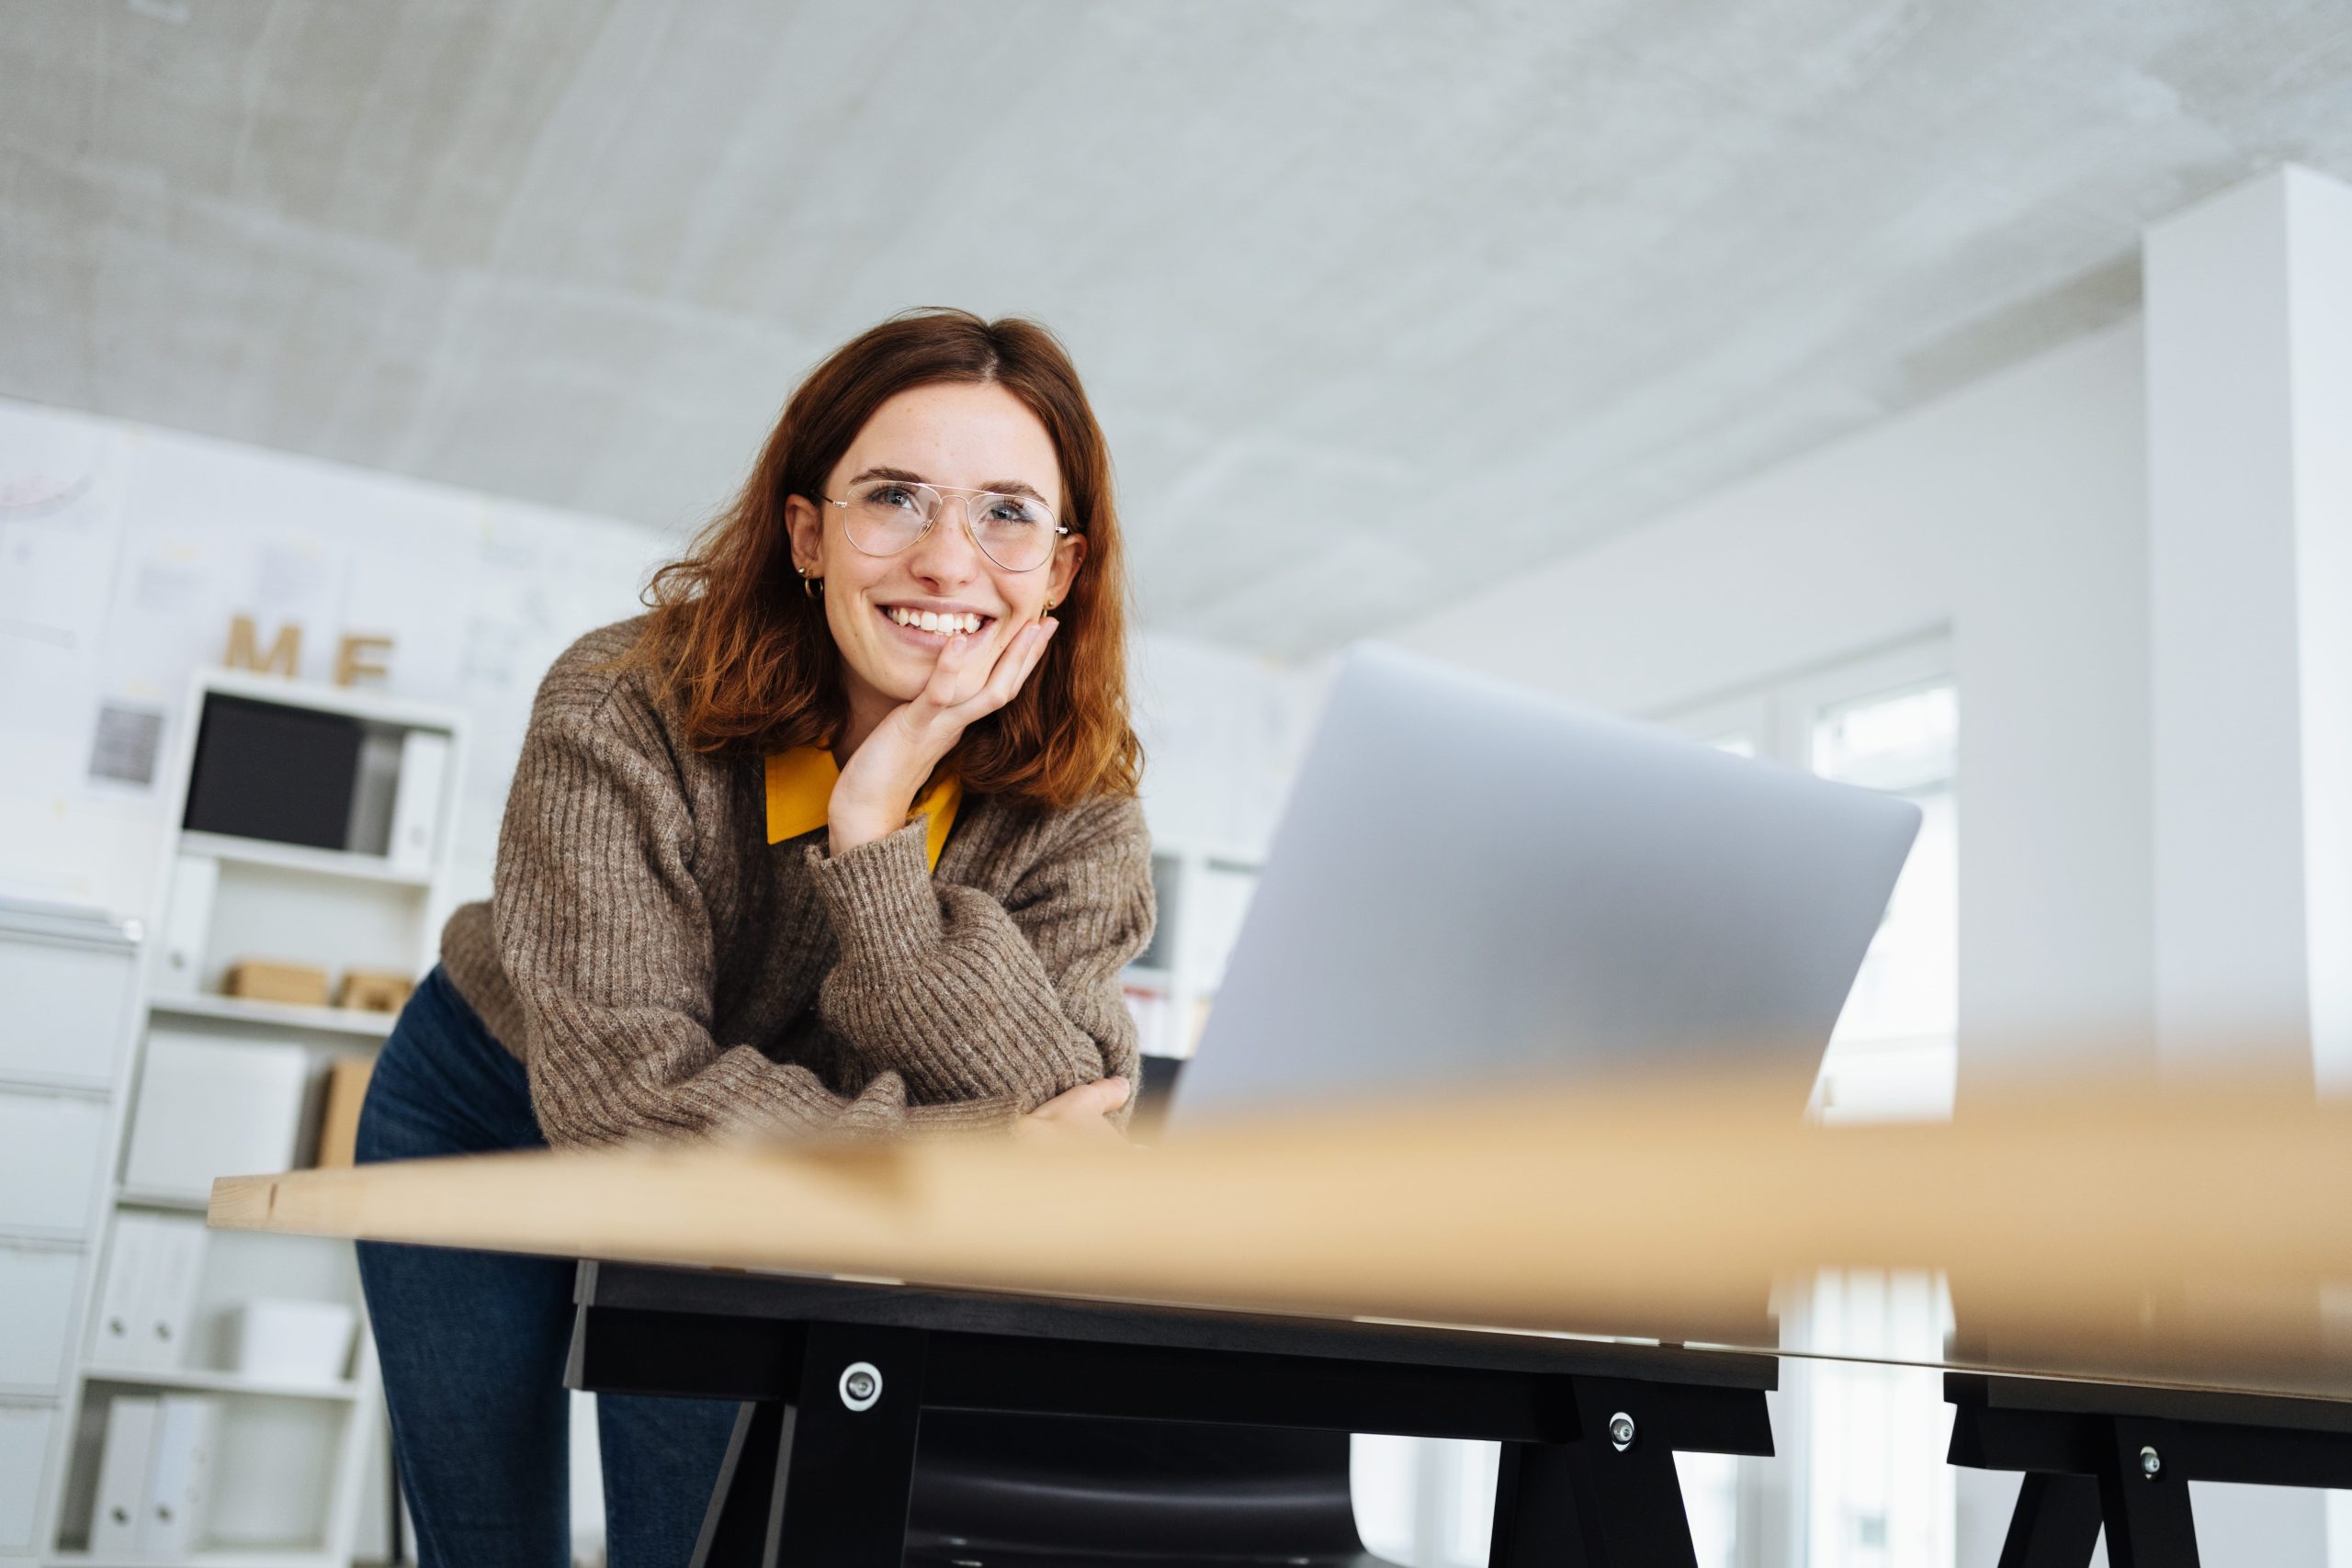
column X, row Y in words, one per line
column 966, row 436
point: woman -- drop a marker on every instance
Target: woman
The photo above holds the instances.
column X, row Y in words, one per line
column 841, row 838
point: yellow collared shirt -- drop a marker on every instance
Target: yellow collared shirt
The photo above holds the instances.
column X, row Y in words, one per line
column 800, row 794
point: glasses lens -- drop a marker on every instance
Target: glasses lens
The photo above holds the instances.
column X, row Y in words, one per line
column 884, row 516
column 1017, row 531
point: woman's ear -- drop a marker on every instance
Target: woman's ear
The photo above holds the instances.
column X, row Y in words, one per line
column 1068, row 556
column 805, row 526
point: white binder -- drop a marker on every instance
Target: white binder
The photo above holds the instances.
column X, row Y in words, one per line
column 179, row 1481
column 416, row 799
column 119, row 1519
column 167, row 1294
column 115, row 1335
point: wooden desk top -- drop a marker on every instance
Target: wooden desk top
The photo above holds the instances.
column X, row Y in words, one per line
column 2202, row 1245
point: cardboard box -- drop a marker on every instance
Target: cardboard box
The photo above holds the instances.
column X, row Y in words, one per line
column 339, row 1124
column 373, row 990
column 267, row 980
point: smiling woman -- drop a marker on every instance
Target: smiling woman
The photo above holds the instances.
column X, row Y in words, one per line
column 932, row 401
column 842, row 838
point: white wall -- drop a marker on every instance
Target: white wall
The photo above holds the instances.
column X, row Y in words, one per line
column 2011, row 514
column 124, row 550
column 2250, row 420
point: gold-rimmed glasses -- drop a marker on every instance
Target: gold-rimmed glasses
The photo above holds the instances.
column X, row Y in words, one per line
column 884, row 516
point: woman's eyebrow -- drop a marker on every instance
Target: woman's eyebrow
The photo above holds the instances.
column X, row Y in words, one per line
column 907, row 475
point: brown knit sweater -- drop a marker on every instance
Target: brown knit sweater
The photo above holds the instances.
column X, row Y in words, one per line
column 664, row 971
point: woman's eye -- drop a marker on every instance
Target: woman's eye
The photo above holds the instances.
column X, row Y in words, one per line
column 1011, row 509
column 892, row 495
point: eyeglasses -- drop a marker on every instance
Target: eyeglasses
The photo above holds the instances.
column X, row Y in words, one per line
column 884, row 516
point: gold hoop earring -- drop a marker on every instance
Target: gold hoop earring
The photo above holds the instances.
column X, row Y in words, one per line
column 1048, row 609
column 811, row 586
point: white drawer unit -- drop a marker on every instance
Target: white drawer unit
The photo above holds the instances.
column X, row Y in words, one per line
column 36, row 1313
column 51, row 1148
column 24, row 1460
column 64, row 1017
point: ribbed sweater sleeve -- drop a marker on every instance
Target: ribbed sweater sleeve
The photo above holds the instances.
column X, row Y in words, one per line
column 966, row 998
column 603, row 930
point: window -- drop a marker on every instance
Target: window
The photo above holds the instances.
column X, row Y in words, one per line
column 1862, row 1485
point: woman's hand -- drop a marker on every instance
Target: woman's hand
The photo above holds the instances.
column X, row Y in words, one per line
column 877, row 785
column 1076, row 1115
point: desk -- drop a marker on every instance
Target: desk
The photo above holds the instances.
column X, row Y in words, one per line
column 2109, row 1267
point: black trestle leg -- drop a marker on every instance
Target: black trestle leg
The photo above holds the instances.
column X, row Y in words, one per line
column 736, row 1527
column 2055, row 1524
column 1609, row 1499
column 1535, row 1515
column 848, row 1463
column 2144, row 1500
column 825, row 1479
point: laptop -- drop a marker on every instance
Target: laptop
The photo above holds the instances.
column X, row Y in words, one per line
column 1475, row 886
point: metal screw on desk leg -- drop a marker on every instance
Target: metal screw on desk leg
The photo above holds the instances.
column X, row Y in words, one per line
column 861, row 1386
column 1620, row 1431
column 2152, row 1463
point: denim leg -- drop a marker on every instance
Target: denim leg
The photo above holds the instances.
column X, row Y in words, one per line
column 661, row 1459
column 472, row 1344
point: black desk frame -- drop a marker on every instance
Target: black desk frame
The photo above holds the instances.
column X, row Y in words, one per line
column 820, row 1473
column 2121, row 1457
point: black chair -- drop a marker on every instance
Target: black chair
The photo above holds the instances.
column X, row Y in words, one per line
column 1054, row 1491
column 1051, row 1492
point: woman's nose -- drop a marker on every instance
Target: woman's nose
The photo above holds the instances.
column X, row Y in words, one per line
column 946, row 553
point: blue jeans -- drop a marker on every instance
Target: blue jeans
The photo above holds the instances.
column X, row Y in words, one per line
column 473, row 1343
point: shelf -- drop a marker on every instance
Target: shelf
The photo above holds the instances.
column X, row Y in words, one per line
column 56, row 1084
column 340, row 1390
column 223, row 1557
column 301, row 857
column 158, row 1198
column 278, row 1015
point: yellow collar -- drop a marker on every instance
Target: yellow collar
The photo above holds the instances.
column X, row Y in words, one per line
column 800, row 792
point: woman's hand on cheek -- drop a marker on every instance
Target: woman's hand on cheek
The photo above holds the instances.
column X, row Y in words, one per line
column 877, row 785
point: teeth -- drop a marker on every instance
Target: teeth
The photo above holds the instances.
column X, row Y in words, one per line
column 948, row 624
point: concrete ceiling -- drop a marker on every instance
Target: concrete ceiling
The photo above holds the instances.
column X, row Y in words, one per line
column 1381, row 300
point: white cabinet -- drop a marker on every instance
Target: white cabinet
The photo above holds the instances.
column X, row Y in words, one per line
column 50, row 1149
column 67, row 985
column 37, row 1293
column 24, row 1462
column 64, row 1018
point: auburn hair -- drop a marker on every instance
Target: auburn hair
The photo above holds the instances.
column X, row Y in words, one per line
column 748, row 654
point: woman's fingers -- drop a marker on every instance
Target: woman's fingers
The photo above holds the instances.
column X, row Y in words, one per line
column 1097, row 1099
column 951, row 676
column 1014, row 665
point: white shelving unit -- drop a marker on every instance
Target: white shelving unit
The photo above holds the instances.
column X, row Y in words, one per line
column 293, row 1455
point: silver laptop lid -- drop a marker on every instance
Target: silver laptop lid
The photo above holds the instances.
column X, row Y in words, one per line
column 1474, row 884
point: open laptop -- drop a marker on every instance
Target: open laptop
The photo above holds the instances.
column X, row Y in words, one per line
column 1476, row 884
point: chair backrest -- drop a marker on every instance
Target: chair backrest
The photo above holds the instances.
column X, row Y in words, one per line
column 1171, row 1491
